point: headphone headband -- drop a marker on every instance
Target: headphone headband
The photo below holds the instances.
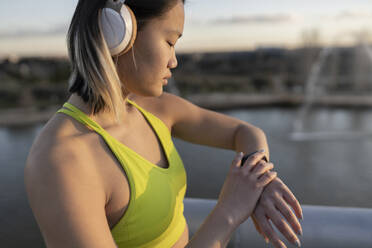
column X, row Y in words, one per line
column 115, row 4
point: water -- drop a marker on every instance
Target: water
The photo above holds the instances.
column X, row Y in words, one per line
column 310, row 90
column 316, row 85
column 333, row 171
column 368, row 50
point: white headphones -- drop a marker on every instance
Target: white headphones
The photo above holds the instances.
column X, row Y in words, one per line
column 118, row 26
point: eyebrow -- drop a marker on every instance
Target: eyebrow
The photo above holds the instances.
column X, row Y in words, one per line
column 175, row 31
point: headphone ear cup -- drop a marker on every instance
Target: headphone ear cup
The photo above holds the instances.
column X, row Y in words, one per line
column 112, row 27
column 134, row 31
column 118, row 29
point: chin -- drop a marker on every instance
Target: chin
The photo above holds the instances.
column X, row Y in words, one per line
column 150, row 90
column 160, row 92
column 153, row 93
column 157, row 90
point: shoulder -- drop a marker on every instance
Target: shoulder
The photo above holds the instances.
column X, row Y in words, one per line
column 168, row 107
column 55, row 161
column 55, row 144
column 64, row 193
column 51, row 158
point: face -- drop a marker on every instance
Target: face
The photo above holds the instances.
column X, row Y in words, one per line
column 154, row 54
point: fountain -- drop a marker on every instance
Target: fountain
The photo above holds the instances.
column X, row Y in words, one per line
column 315, row 91
column 310, row 90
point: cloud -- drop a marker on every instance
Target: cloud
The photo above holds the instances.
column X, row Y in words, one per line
column 30, row 33
column 353, row 14
column 256, row 19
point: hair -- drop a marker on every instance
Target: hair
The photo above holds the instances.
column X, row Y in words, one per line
column 94, row 76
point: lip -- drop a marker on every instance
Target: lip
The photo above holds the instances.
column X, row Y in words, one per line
column 168, row 76
column 165, row 80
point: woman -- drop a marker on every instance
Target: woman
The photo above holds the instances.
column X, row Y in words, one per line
column 104, row 172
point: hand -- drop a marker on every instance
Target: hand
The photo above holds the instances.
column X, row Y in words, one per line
column 243, row 187
column 275, row 202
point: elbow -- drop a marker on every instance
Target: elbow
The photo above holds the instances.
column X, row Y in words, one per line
column 251, row 130
column 259, row 132
column 249, row 133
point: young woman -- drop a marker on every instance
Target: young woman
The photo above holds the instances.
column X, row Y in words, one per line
column 104, row 171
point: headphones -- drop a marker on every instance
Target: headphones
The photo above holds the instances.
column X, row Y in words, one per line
column 118, row 26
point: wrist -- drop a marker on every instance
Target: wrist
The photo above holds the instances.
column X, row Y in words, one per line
column 224, row 217
column 215, row 231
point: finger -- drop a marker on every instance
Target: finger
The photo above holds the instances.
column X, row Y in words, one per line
column 261, row 168
column 291, row 199
column 268, row 230
column 282, row 225
column 256, row 225
column 266, row 178
column 250, row 154
column 288, row 215
column 258, row 228
column 253, row 160
column 237, row 159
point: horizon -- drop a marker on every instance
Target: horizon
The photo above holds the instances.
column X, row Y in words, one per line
column 16, row 57
column 237, row 25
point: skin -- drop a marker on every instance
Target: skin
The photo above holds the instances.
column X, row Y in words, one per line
column 155, row 52
column 155, row 57
column 246, row 179
column 66, row 160
column 274, row 204
column 237, row 199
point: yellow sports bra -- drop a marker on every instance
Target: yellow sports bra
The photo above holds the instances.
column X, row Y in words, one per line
column 154, row 217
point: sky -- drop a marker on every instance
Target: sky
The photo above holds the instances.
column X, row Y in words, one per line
column 39, row 27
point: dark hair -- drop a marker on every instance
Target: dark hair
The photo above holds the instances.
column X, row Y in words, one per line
column 94, row 77
column 147, row 9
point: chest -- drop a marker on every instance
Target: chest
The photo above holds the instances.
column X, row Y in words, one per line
column 141, row 139
column 147, row 139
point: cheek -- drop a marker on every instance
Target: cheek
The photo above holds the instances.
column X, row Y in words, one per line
column 152, row 61
column 153, row 52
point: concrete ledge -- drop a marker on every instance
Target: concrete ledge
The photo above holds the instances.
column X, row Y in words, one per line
column 220, row 101
column 323, row 227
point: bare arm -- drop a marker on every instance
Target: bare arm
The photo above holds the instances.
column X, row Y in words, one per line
column 68, row 201
column 276, row 202
column 215, row 231
column 248, row 138
column 201, row 126
column 237, row 199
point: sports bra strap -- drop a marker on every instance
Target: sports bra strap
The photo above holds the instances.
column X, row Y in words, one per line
column 81, row 117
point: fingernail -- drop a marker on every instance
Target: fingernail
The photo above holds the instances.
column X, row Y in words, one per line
column 298, row 243
column 300, row 232
column 262, row 150
column 240, row 154
column 266, row 240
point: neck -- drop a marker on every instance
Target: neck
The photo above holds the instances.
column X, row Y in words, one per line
column 105, row 119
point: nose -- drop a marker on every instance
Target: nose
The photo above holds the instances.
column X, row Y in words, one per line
column 172, row 63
